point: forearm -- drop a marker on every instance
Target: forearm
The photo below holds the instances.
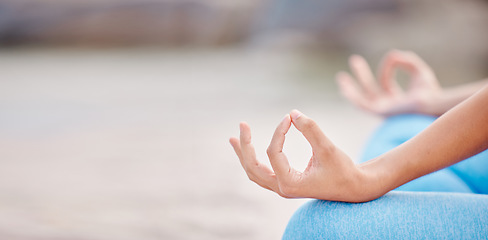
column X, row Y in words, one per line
column 450, row 97
column 457, row 135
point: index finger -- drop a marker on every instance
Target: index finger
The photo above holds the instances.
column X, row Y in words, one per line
column 247, row 149
column 363, row 74
column 277, row 158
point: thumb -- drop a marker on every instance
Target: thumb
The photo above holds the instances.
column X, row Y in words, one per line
column 311, row 131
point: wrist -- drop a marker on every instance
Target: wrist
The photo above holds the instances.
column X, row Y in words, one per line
column 378, row 178
column 432, row 104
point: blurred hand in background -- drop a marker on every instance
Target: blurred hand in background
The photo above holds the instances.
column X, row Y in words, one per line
column 383, row 96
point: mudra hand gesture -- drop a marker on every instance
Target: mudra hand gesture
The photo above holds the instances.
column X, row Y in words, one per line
column 385, row 97
column 330, row 174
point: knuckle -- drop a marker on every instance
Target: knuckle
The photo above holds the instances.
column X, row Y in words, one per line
column 251, row 177
column 269, row 151
column 251, row 167
column 246, row 140
column 250, row 170
column 284, row 196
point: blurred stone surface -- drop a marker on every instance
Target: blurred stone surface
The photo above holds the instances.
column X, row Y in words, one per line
column 450, row 35
column 133, row 144
column 125, row 22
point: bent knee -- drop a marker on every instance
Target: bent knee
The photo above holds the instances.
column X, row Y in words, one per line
column 397, row 215
column 318, row 219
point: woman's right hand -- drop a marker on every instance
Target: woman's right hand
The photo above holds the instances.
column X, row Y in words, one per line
column 386, row 98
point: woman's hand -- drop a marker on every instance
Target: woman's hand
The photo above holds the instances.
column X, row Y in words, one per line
column 387, row 98
column 330, row 174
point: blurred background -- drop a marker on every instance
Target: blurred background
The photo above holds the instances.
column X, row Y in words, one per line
column 115, row 114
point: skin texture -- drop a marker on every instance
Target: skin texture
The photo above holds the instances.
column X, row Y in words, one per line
column 332, row 175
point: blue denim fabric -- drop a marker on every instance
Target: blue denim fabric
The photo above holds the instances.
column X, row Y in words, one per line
column 441, row 206
column 397, row 215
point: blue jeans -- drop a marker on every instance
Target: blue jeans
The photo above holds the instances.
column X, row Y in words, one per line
column 441, row 205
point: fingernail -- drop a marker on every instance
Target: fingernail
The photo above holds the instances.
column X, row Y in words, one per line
column 295, row 114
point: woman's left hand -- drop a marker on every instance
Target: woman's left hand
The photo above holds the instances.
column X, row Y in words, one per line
column 330, row 174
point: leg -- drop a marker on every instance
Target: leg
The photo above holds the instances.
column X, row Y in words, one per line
column 474, row 172
column 471, row 175
column 393, row 132
column 397, row 215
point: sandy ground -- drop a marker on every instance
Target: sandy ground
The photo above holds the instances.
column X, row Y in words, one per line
column 133, row 144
